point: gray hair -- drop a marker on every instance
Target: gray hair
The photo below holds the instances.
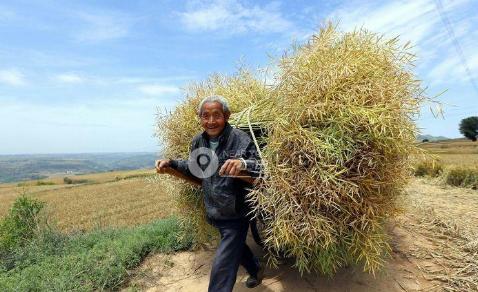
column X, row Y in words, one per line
column 214, row 98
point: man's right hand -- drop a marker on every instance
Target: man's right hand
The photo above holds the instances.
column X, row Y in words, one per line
column 162, row 165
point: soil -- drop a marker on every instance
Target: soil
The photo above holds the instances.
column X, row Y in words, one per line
column 430, row 241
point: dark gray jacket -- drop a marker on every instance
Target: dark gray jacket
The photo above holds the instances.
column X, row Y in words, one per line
column 224, row 197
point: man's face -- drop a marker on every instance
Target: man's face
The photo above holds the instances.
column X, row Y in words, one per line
column 213, row 119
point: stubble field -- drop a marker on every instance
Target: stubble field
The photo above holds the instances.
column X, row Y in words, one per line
column 455, row 152
column 122, row 198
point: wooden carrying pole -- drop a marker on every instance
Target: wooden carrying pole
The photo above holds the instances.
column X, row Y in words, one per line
column 243, row 175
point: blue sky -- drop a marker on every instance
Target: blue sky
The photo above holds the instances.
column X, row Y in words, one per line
column 88, row 76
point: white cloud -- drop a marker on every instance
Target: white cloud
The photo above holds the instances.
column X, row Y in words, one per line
column 158, row 89
column 12, row 77
column 69, row 78
column 413, row 20
column 143, row 80
column 233, row 17
column 147, row 85
column 452, row 69
column 444, row 68
column 104, row 26
column 421, row 23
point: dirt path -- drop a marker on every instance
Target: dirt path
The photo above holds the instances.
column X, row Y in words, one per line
column 426, row 252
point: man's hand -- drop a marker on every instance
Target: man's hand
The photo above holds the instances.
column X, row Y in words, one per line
column 231, row 167
column 162, row 165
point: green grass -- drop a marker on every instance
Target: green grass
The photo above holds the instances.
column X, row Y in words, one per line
column 97, row 260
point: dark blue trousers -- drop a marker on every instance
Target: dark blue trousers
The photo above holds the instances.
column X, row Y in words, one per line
column 232, row 252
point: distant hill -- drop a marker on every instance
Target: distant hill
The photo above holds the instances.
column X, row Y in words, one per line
column 431, row 138
column 27, row 167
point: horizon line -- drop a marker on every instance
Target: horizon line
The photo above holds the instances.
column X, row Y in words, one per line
column 77, row 153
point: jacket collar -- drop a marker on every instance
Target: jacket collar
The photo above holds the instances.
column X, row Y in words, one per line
column 223, row 136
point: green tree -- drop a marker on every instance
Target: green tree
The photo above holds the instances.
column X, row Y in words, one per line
column 469, row 128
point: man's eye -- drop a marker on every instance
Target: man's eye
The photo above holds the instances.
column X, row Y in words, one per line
column 215, row 116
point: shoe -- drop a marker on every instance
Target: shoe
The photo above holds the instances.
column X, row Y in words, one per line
column 252, row 282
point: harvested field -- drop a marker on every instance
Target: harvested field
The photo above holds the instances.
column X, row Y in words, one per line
column 108, row 199
column 454, row 152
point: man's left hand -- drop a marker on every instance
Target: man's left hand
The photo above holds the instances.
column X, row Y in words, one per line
column 231, row 167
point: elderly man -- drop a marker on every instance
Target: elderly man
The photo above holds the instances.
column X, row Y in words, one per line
column 231, row 151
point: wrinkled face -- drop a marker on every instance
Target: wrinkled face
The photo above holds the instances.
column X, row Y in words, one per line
column 213, row 119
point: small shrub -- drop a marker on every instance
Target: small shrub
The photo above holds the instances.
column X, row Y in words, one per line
column 44, row 183
column 131, row 176
column 80, row 181
column 432, row 168
column 462, row 177
column 20, row 224
column 70, row 181
column 139, row 175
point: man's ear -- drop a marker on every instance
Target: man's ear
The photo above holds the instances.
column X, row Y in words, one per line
column 227, row 115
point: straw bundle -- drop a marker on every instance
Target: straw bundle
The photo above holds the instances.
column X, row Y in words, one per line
column 340, row 133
